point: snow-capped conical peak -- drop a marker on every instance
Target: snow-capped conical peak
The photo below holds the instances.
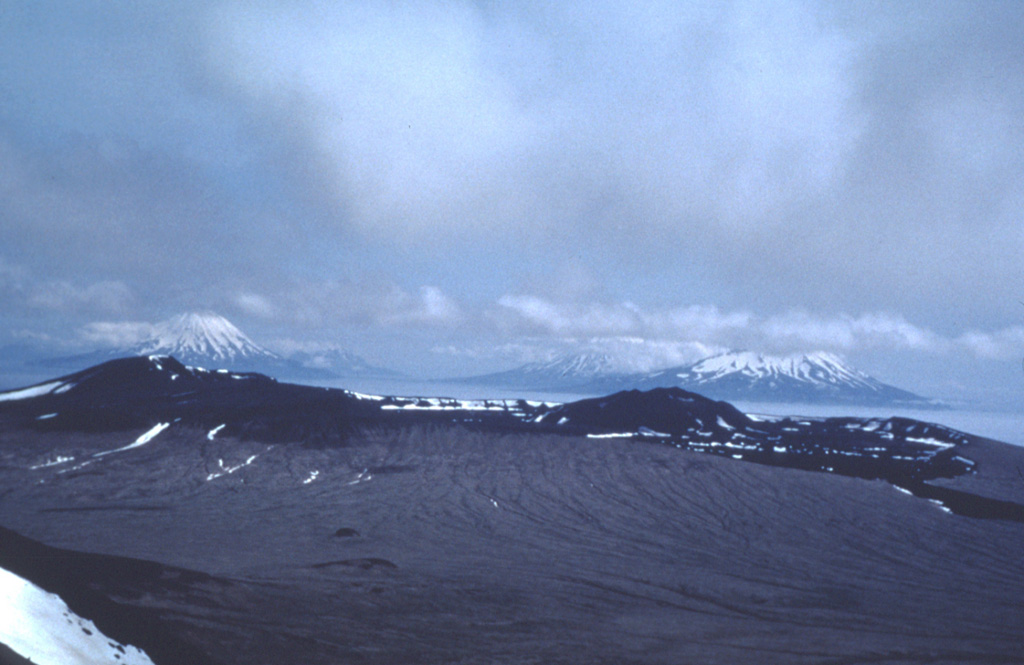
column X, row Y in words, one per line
column 818, row 377
column 201, row 337
column 817, row 367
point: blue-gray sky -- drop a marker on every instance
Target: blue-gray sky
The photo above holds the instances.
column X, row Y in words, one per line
column 450, row 187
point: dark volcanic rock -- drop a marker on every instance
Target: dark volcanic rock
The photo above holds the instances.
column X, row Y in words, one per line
column 89, row 583
column 9, row 657
column 346, row 532
column 363, row 564
column 668, row 410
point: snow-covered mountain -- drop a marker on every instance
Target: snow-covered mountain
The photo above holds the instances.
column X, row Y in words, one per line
column 563, row 372
column 205, row 339
column 815, row 378
column 818, row 377
column 211, row 341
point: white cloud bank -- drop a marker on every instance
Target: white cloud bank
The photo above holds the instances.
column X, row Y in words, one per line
column 650, row 335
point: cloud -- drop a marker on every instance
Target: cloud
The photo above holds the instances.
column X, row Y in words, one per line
column 116, row 334
column 433, row 307
column 254, row 304
column 107, row 296
column 1004, row 344
column 12, row 278
column 571, row 319
column 440, row 117
column 532, row 314
column 694, row 327
column 370, row 303
column 848, row 333
column 399, row 103
column 449, row 174
column 763, row 143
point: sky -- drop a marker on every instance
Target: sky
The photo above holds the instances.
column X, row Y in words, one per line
column 457, row 187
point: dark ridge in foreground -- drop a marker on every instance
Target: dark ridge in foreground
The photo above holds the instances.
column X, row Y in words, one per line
column 142, row 392
column 89, row 583
column 967, row 504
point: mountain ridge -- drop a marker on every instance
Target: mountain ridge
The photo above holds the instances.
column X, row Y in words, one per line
column 567, row 369
column 159, row 390
column 211, row 341
column 817, row 377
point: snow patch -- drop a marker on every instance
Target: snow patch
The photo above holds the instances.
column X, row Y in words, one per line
column 228, row 470
column 33, row 391
column 141, row 441
column 363, row 476
column 931, row 442
column 364, row 396
column 59, row 459
column 40, row 627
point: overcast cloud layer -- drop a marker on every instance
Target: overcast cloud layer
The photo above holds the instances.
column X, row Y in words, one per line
column 456, row 186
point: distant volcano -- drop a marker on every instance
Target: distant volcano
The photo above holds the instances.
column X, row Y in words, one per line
column 563, row 372
column 205, row 339
column 816, row 378
column 210, row 341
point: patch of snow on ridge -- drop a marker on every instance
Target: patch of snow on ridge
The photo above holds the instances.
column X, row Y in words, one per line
column 40, row 627
column 213, row 432
column 931, row 442
column 141, row 441
column 363, row 476
column 647, row 431
column 56, row 461
column 32, row 391
column 228, row 470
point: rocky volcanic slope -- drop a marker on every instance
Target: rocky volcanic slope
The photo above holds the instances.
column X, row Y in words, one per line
column 295, row 524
